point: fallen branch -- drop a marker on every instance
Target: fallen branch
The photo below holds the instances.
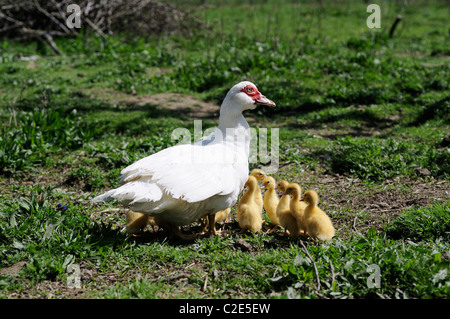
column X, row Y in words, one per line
column 314, row 264
column 44, row 37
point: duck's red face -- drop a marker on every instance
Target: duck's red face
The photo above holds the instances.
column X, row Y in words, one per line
column 256, row 96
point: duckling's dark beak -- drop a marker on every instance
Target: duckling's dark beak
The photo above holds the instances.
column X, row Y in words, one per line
column 284, row 193
column 262, row 100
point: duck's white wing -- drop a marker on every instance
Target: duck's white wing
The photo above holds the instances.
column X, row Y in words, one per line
column 192, row 172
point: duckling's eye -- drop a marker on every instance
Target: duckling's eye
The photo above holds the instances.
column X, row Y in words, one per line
column 260, row 173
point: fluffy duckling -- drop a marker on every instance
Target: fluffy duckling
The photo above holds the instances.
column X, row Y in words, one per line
column 287, row 220
column 222, row 215
column 271, row 199
column 136, row 222
column 317, row 222
column 296, row 205
column 248, row 211
column 259, row 175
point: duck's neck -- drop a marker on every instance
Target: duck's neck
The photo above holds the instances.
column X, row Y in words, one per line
column 309, row 210
column 285, row 200
column 296, row 197
column 271, row 192
column 249, row 194
column 234, row 128
column 230, row 120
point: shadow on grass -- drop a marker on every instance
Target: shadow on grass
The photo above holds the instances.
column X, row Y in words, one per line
column 365, row 117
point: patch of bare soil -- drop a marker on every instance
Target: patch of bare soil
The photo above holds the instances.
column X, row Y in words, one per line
column 12, row 270
column 183, row 104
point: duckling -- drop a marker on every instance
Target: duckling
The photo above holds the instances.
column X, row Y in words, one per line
column 271, row 200
column 317, row 222
column 136, row 222
column 248, row 211
column 259, row 175
column 222, row 215
column 296, row 205
column 287, row 220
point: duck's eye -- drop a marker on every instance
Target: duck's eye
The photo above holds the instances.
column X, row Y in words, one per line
column 249, row 89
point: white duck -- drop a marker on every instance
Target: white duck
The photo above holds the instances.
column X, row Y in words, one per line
column 183, row 183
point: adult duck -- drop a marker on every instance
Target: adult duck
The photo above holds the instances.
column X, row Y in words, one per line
column 183, row 183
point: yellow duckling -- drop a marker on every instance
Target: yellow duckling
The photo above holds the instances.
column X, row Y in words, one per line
column 222, row 215
column 317, row 223
column 287, row 220
column 297, row 206
column 136, row 222
column 248, row 211
column 259, row 175
column 271, row 199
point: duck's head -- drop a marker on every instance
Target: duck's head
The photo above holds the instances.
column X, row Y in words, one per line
column 311, row 197
column 282, row 185
column 292, row 189
column 258, row 174
column 268, row 182
column 245, row 96
column 251, row 182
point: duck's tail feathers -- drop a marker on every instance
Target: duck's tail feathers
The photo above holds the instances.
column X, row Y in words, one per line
column 137, row 191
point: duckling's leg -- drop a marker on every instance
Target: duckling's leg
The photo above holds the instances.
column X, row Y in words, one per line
column 273, row 229
column 212, row 231
column 153, row 222
column 204, row 222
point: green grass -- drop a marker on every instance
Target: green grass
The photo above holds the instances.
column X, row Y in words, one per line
column 352, row 104
column 379, row 159
column 429, row 223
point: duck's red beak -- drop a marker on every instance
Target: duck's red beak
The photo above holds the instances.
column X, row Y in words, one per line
column 262, row 100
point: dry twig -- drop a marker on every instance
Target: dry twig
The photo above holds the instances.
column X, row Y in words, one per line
column 314, row 264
